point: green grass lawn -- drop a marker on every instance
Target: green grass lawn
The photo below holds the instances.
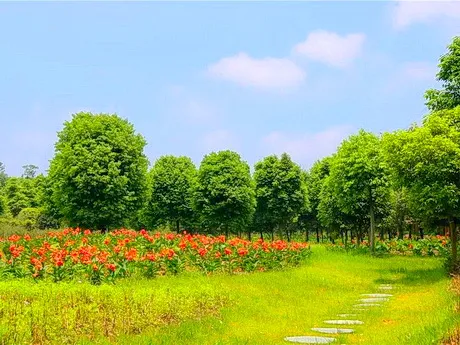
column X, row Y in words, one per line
column 259, row 308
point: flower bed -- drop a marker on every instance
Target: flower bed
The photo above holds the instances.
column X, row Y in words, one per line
column 76, row 254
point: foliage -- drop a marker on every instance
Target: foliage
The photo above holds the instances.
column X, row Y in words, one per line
column 427, row 161
column 449, row 74
column 280, row 192
column 358, row 178
column 30, row 171
column 98, row 171
column 3, row 175
column 172, row 183
column 71, row 254
column 17, row 194
column 428, row 246
column 224, row 194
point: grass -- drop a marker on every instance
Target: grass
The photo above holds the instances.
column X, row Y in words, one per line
column 258, row 308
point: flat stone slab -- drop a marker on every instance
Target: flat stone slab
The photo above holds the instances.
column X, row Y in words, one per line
column 333, row 330
column 386, row 287
column 372, row 300
column 367, row 305
column 306, row 339
column 376, row 295
column 344, row 322
column 347, row 315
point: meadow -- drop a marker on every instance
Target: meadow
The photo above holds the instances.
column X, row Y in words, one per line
column 196, row 306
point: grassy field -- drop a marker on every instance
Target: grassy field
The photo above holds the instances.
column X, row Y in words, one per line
column 258, row 308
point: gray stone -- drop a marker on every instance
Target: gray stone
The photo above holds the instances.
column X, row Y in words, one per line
column 372, row 300
column 344, row 322
column 367, row 305
column 333, row 330
column 306, row 339
column 376, row 295
column 347, row 315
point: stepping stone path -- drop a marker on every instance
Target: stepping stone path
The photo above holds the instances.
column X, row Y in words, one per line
column 333, row 330
column 344, row 322
column 347, row 315
column 372, row 300
column 310, row 340
column 368, row 301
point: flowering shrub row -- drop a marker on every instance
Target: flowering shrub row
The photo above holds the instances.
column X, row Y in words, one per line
column 76, row 254
column 429, row 246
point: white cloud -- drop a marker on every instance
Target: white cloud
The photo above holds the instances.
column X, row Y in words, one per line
column 409, row 76
column 306, row 148
column 331, row 48
column 410, row 12
column 265, row 73
column 419, row 71
column 220, row 140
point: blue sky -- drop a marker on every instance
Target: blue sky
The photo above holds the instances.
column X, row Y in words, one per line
column 255, row 77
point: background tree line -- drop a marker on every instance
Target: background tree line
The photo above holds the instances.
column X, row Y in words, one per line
column 404, row 182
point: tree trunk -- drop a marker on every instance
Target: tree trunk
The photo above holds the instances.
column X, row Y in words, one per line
column 226, row 233
column 453, row 238
column 389, row 234
column 317, row 235
column 346, row 237
column 306, row 235
column 288, row 235
column 249, row 235
column 372, row 229
column 410, row 230
column 261, row 235
column 421, row 232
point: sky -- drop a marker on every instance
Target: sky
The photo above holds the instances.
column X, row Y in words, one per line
column 259, row 78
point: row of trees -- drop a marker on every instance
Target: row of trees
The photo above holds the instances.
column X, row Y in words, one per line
column 408, row 180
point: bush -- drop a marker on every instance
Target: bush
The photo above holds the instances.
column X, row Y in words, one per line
column 29, row 217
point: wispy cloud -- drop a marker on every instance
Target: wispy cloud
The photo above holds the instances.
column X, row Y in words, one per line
column 221, row 139
column 407, row 13
column 306, row 148
column 330, row 48
column 264, row 73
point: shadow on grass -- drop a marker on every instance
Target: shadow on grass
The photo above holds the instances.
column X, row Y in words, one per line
column 411, row 277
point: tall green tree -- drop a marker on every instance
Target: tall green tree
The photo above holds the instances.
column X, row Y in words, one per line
column 171, row 194
column 315, row 181
column 280, row 192
column 359, row 179
column 30, row 171
column 17, row 195
column 426, row 160
column 224, row 194
column 98, row 171
column 3, row 175
column 449, row 75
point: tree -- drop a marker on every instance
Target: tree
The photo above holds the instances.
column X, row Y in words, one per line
column 280, row 192
column 224, row 194
column 98, row 171
column 449, row 74
column 30, row 171
column 172, row 182
column 315, row 181
column 3, row 175
column 426, row 160
column 17, row 195
column 359, row 179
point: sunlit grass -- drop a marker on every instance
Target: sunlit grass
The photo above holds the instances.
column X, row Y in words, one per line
column 263, row 308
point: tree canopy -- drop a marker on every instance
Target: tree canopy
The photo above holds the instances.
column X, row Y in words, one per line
column 98, row 171
column 171, row 193
column 224, row 194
